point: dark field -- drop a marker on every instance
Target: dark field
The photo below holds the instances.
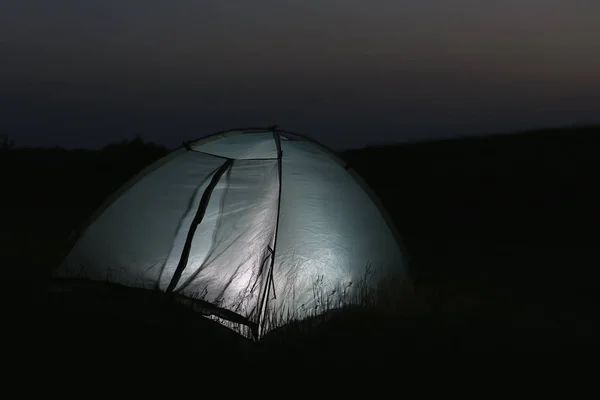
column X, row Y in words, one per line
column 502, row 233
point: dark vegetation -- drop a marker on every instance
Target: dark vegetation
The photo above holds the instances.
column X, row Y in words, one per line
column 502, row 233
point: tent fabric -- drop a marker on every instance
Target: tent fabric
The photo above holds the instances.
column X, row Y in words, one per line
column 240, row 147
column 329, row 231
column 280, row 229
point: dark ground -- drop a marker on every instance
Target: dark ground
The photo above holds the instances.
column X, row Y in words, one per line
column 502, row 233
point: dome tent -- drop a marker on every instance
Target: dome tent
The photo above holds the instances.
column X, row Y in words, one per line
column 245, row 223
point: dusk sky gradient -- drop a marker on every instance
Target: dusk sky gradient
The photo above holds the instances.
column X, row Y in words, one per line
column 346, row 72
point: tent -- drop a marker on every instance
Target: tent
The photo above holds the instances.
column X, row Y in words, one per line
column 246, row 223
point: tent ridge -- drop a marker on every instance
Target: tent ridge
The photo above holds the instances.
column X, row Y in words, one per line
column 197, row 220
column 270, row 282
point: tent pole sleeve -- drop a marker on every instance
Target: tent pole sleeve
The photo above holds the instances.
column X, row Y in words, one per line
column 269, row 281
column 183, row 260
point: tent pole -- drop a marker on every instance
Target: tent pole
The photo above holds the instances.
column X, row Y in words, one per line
column 269, row 283
column 185, row 254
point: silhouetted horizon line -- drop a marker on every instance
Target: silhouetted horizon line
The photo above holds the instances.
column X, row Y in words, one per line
column 387, row 143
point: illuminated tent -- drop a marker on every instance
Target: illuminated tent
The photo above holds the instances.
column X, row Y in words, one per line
column 246, row 223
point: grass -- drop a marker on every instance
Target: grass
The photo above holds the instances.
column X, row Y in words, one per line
column 539, row 299
column 93, row 325
column 363, row 293
column 361, row 322
column 370, row 324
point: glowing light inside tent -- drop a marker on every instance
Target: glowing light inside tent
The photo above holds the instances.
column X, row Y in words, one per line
column 328, row 232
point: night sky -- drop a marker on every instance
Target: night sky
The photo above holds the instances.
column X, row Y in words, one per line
column 346, row 72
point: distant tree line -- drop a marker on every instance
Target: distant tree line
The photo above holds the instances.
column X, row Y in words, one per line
column 77, row 179
column 6, row 143
column 136, row 145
